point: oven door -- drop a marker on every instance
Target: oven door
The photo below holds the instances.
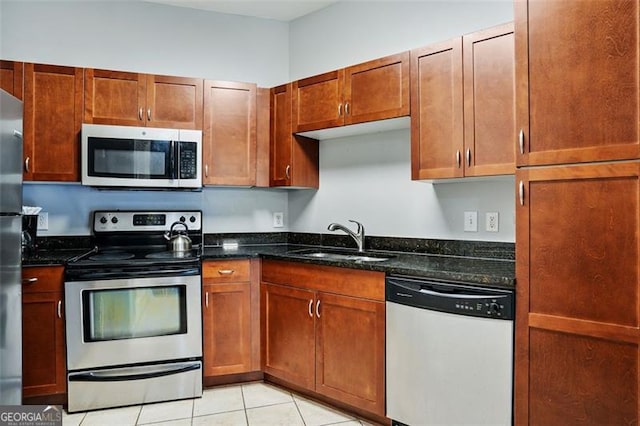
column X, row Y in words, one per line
column 131, row 321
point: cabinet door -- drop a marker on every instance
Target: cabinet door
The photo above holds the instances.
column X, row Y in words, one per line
column 227, row 328
column 43, row 346
column 11, row 77
column 350, row 338
column 317, row 102
column 294, row 158
column 281, row 135
column 437, row 111
column 577, row 80
column 114, row 97
column 489, row 102
column 377, row 89
column 52, row 121
column 174, row 102
column 229, row 137
column 578, row 293
column 288, row 334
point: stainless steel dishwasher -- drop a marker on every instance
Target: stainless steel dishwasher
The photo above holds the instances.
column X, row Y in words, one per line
column 449, row 353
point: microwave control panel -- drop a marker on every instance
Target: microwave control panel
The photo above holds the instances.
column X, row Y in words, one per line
column 188, row 160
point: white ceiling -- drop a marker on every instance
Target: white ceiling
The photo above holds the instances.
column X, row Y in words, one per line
column 282, row 10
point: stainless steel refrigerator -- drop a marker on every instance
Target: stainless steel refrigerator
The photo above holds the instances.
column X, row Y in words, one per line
column 10, row 256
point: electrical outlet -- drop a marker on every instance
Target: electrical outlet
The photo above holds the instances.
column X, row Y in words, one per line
column 43, row 221
column 278, row 220
column 470, row 221
column 492, row 222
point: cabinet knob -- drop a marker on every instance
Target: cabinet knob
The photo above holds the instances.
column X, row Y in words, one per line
column 311, row 308
column 458, row 158
column 140, row 114
column 521, row 193
column 206, row 170
column 26, row 165
column 318, row 308
column 206, row 299
column 226, row 271
column 60, row 309
column 149, row 114
column 346, row 108
column 287, row 172
column 469, row 157
column 340, row 110
column 30, row 280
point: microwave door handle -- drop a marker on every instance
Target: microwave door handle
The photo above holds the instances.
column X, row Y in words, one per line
column 174, row 154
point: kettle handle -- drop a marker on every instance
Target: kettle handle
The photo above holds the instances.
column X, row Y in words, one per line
column 169, row 235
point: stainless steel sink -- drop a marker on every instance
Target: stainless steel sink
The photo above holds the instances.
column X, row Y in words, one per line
column 341, row 256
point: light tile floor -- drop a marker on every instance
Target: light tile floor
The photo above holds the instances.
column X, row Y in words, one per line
column 252, row 404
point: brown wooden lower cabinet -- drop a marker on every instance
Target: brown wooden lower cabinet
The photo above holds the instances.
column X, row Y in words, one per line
column 230, row 311
column 323, row 330
column 43, row 342
column 578, row 292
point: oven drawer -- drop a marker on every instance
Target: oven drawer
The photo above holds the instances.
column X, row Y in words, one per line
column 90, row 390
column 226, row 270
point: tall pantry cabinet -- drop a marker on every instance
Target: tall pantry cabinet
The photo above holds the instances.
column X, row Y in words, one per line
column 578, row 196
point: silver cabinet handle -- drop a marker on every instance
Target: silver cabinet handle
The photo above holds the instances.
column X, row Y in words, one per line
column 226, row 271
column 346, row 108
column 318, row 308
column 468, row 157
column 287, row 171
column 206, row 170
column 311, row 308
column 206, row 299
column 340, row 110
column 60, row 309
column 140, row 114
column 521, row 191
column 521, row 141
column 149, row 114
column 30, row 280
column 458, row 158
column 26, row 164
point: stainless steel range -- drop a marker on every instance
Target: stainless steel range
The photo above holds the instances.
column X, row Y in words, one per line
column 133, row 304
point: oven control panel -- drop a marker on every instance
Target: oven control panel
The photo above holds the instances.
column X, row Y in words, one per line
column 127, row 221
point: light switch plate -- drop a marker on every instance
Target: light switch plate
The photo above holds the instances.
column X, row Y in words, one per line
column 470, row 221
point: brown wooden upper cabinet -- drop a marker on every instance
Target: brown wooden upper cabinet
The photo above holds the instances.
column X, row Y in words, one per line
column 229, row 134
column 132, row 99
column 463, row 106
column 374, row 90
column 52, row 122
column 577, row 81
column 294, row 158
column 11, row 77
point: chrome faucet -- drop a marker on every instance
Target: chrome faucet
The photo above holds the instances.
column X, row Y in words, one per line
column 358, row 236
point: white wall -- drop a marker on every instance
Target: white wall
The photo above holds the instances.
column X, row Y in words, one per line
column 373, row 170
column 149, row 38
column 145, row 37
column 368, row 178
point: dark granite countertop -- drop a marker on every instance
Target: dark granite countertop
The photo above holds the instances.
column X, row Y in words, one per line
column 485, row 271
column 485, row 263
column 53, row 257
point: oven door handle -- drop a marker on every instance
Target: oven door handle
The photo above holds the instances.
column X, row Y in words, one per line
column 118, row 376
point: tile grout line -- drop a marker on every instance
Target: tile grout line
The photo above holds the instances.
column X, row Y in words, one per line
column 244, row 405
column 298, row 408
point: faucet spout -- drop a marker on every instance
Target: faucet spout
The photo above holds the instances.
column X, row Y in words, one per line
column 358, row 235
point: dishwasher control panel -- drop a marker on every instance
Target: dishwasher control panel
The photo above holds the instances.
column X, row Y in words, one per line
column 456, row 298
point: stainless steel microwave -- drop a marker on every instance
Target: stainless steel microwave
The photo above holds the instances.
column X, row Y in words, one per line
column 141, row 157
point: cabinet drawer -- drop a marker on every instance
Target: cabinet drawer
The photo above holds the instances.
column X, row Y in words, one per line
column 224, row 271
column 39, row 279
column 329, row 279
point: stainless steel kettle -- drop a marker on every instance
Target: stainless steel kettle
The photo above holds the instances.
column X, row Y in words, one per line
column 179, row 242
